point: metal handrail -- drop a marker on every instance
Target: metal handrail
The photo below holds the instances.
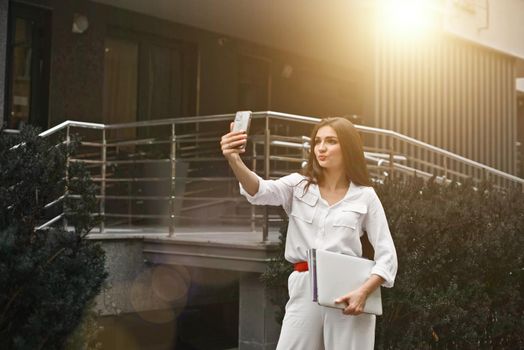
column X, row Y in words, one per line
column 298, row 147
column 288, row 117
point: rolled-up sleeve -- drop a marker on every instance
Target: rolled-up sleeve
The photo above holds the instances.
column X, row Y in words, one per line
column 377, row 228
column 274, row 192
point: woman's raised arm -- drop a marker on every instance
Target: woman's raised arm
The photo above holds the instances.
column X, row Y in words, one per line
column 233, row 144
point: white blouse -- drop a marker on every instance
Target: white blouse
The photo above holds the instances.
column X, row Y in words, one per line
column 313, row 223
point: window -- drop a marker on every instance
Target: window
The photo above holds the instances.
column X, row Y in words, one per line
column 28, row 66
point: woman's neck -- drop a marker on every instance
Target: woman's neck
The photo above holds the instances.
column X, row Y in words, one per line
column 334, row 180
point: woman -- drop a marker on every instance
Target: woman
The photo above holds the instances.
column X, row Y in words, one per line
column 329, row 207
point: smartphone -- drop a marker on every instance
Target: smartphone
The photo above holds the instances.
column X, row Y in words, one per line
column 242, row 121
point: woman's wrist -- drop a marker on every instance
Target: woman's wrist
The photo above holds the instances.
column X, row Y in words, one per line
column 374, row 282
column 365, row 290
column 233, row 158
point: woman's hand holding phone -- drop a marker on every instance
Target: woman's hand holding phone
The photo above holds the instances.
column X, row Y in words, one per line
column 233, row 143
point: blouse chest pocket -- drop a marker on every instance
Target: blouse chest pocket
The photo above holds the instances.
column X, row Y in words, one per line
column 304, row 205
column 349, row 215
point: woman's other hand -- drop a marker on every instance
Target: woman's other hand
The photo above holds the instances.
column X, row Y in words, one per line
column 233, row 143
column 355, row 302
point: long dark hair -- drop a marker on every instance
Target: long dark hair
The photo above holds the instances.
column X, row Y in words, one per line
column 352, row 153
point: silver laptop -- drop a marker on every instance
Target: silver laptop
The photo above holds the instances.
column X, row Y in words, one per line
column 334, row 275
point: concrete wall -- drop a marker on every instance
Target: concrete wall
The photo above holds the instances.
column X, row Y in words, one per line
column 497, row 24
column 135, row 285
column 155, row 306
column 131, row 312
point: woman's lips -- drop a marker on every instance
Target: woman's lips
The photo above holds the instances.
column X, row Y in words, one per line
column 322, row 157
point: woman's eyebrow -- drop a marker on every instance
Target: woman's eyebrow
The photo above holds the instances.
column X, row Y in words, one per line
column 331, row 139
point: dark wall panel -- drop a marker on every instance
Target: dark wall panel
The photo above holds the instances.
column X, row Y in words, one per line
column 77, row 63
column 4, row 10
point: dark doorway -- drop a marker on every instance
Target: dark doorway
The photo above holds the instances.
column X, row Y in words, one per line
column 164, row 70
column 148, row 77
column 167, row 80
column 28, row 56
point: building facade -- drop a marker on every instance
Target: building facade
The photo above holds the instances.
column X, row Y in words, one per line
column 121, row 61
column 452, row 85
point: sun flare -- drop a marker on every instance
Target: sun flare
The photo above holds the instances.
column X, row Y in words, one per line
column 407, row 18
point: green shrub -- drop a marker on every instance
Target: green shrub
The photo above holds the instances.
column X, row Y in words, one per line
column 461, row 267
column 48, row 276
column 276, row 275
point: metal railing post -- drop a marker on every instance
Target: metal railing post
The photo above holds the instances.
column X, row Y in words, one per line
column 445, row 167
column 305, row 148
column 267, row 143
column 172, row 162
column 66, row 189
column 103, row 182
column 254, row 168
column 391, row 157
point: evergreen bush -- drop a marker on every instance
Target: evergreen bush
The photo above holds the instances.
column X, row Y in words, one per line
column 461, row 267
column 47, row 276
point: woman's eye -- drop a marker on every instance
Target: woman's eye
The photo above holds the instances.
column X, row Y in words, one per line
column 327, row 141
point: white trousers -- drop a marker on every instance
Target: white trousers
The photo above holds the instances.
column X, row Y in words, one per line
column 309, row 326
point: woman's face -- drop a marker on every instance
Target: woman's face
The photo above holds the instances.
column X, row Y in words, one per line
column 327, row 149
